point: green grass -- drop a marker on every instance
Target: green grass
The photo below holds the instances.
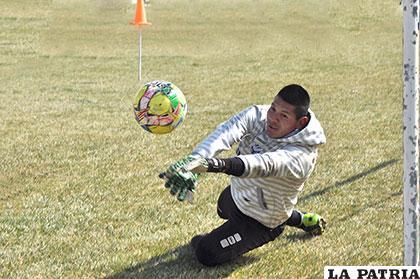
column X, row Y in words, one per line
column 79, row 192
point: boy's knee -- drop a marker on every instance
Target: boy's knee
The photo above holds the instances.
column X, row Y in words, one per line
column 222, row 214
column 205, row 256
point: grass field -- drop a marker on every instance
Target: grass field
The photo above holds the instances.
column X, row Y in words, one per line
column 79, row 192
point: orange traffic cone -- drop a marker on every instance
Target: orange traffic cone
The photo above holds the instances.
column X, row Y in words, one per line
column 140, row 18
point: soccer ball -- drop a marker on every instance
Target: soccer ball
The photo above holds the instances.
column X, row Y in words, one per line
column 160, row 107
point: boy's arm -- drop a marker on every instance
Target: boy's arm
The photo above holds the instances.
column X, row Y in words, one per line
column 227, row 133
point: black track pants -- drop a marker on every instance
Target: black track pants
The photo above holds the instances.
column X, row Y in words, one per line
column 238, row 235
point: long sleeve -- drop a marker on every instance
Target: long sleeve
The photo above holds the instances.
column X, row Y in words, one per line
column 291, row 161
column 227, row 133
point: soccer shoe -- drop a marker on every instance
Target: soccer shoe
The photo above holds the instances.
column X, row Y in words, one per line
column 313, row 223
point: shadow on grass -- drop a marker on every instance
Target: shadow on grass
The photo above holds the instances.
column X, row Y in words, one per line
column 179, row 262
column 349, row 180
column 299, row 236
column 376, row 204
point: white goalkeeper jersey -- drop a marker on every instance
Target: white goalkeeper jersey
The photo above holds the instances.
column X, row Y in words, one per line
column 275, row 169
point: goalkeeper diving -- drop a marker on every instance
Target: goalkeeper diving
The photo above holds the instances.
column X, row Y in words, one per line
column 276, row 154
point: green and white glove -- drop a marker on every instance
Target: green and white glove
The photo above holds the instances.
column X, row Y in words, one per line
column 196, row 164
column 182, row 176
column 183, row 185
column 179, row 180
column 200, row 165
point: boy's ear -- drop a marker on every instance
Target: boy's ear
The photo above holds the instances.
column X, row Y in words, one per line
column 303, row 121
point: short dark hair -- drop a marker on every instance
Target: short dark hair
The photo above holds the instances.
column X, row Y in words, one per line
column 297, row 96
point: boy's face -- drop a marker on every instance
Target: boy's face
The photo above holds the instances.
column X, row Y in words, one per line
column 281, row 119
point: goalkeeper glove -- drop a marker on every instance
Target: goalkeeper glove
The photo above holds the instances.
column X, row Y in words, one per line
column 200, row 165
column 188, row 160
column 179, row 180
column 197, row 164
column 182, row 184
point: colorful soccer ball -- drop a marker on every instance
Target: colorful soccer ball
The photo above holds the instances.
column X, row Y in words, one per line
column 160, row 107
